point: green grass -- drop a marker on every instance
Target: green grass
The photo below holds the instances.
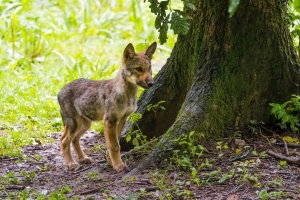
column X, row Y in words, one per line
column 45, row 44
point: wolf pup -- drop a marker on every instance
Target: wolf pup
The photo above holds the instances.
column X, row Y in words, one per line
column 83, row 101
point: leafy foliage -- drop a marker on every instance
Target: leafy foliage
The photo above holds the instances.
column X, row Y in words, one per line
column 189, row 149
column 177, row 19
column 288, row 113
column 136, row 136
column 293, row 13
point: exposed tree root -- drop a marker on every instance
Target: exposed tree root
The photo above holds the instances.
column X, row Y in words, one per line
column 146, row 163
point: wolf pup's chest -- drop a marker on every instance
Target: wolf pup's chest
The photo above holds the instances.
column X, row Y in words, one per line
column 125, row 106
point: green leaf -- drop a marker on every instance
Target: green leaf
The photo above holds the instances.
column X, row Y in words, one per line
column 179, row 24
column 163, row 7
column 128, row 138
column 157, row 22
column 263, row 194
column 67, row 189
column 285, row 119
column 163, row 30
column 154, row 6
column 233, row 4
column 297, row 5
column 275, row 107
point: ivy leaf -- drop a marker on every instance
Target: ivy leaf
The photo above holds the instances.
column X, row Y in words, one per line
column 179, row 24
column 233, row 4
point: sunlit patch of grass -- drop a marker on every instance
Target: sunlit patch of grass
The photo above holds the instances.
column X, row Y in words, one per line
column 45, row 44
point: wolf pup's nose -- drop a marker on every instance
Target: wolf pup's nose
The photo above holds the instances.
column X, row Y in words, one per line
column 150, row 84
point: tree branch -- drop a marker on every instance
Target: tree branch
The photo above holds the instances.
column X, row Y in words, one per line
column 281, row 157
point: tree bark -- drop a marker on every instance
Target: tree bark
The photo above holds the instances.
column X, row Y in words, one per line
column 243, row 63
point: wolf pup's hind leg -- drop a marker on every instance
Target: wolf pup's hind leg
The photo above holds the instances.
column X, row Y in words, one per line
column 82, row 158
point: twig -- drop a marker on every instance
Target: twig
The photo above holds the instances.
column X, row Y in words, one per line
column 82, row 170
column 284, row 144
column 289, row 145
column 138, row 182
column 9, row 159
column 278, row 136
column 95, row 189
column 152, row 188
column 14, row 187
column 102, row 161
column 281, row 157
column 132, row 151
column 143, row 181
column 240, row 157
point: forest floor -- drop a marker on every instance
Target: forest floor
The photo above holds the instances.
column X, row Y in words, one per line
column 41, row 173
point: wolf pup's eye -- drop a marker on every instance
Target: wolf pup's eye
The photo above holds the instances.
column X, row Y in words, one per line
column 139, row 69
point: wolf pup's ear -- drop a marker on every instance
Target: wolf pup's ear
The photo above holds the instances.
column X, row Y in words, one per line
column 150, row 50
column 129, row 52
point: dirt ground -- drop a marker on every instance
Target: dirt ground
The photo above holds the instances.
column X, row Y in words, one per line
column 41, row 174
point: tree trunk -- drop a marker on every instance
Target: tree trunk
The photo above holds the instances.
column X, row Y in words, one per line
column 243, row 63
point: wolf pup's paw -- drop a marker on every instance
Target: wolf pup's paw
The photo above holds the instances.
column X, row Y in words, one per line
column 72, row 165
column 119, row 167
column 85, row 160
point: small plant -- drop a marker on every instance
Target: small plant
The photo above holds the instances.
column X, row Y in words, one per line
column 45, row 168
column 38, row 157
column 159, row 179
column 194, row 177
column 275, row 183
column 60, row 194
column 254, row 126
column 263, row 154
column 28, row 176
column 282, row 164
column 253, row 180
column 155, row 108
column 24, row 194
column 93, row 176
column 288, row 113
column 11, row 179
column 220, row 147
column 189, row 149
column 138, row 138
column 264, row 195
column 227, row 176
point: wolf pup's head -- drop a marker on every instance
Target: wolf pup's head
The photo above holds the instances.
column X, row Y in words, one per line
column 137, row 66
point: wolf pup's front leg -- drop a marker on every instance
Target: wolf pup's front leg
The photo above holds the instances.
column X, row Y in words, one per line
column 113, row 147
